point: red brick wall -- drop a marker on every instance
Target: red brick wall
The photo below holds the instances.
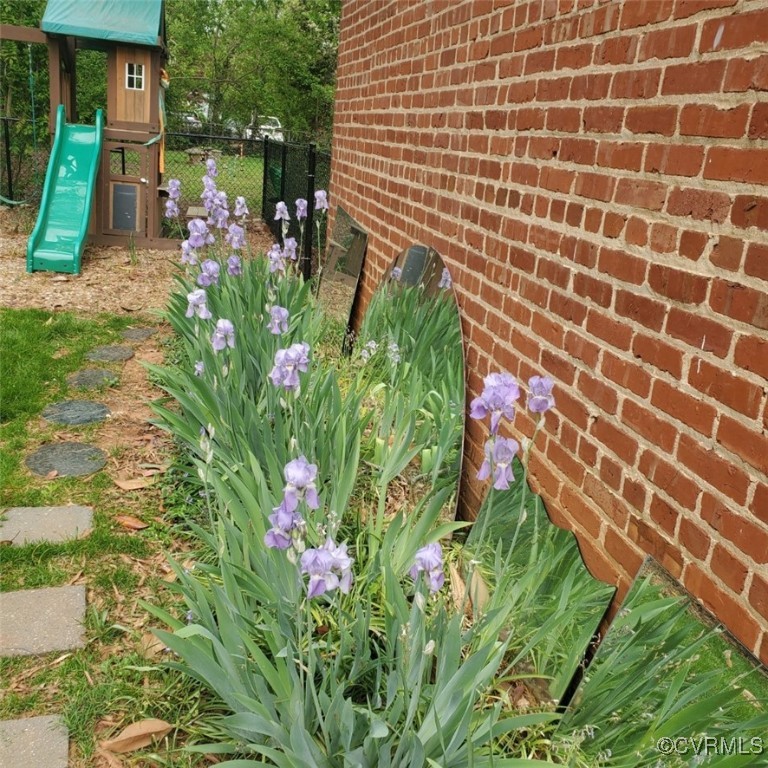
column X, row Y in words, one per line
column 595, row 175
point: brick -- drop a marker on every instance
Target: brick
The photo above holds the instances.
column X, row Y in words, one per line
column 749, row 443
column 726, row 253
column 700, row 332
column 622, row 265
column 615, row 439
column 613, row 224
column 626, row 374
column 740, row 302
column 641, row 194
column 758, row 123
column 651, row 119
column 690, row 410
column 579, row 511
column 674, row 159
column 651, row 541
column 595, row 186
column 678, row 285
column 695, row 77
column 565, row 462
column 603, row 119
column 705, row 205
column 567, row 308
column 634, row 493
column 614, row 333
column 737, row 164
column 758, row 595
column 567, row 119
column 581, row 151
column 627, row 555
column 692, row 244
column 713, row 122
column 756, row 263
column 750, row 211
column 738, row 30
column 731, row 570
column 597, row 392
column 637, row 231
column 641, row 12
column 693, row 539
column 624, row 155
column 687, row 8
column 749, row 536
column 574, row 56
column 669, row 479
column 616, row 50
column 713, row 468
column 746, row 74
column 672, row 43
column 646, row 423
column 727, row 388
column 610, row 475
column 721, row 604
column 641, row 309
column 636, row 84
column 579, row 347
column 663, row 238
column 751, row 354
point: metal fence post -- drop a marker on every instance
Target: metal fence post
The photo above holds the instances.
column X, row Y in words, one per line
column 265, row 168
column 282, row 171
column 307, row 256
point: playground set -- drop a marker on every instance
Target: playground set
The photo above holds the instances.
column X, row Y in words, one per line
column 104, row 181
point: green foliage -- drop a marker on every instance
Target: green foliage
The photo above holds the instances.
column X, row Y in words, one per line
column 261, row 57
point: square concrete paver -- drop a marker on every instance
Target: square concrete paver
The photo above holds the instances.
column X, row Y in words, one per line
column 34, row 742
column 24, row 525
column 41, row 620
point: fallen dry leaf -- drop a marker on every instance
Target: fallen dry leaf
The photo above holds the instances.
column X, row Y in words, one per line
column 52, row 474
column 150, row 646
column 134, row 483
column 458, row 589
column 132, row 523
column 138, row 735
column 478, row 593
column 108, row 759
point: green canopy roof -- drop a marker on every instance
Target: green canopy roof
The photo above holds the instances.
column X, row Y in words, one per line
column 122, row 21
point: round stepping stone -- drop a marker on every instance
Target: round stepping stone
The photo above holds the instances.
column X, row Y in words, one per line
column 67, row 459
column 114, row 354
column 138, row 334
column 75, row 412
column 91, row 378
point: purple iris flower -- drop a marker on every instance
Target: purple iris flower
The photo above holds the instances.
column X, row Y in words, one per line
column 283, row 524
column 234, row 266
column 369, row 350
column 197, row 305
column 300, row 484
column 301, row 209
column 278, row 320
column 276, row 259
column 540, row 398
column 429, row 559
column 321, row 200
column 174, row 189
column 235, row 236
column 198, row 234
column 499, row 454
column 288, row 364
column 445, row 279
column 209, row 274
column 329, row 567
column 289, row 248
column 188, row 255
column 241, row 209
column 498, row 398
column 199, row 368
column 171, row 209
column 223, row 336
column 281, row 212
column 210, row 168
column 397, row 273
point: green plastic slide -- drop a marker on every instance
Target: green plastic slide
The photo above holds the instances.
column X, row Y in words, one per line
column 58, row 239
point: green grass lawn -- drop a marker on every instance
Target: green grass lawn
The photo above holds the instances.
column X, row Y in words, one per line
column 238, row 176
column 114, row 680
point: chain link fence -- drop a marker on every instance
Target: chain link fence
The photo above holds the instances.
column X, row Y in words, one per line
column 293, row 171
column 24, row 152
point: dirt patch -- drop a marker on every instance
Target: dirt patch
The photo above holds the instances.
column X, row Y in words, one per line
column 113, row 279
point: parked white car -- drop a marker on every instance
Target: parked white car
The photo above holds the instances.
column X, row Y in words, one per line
column 270, row 127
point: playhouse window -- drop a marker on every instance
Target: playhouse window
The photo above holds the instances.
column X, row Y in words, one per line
column 134, row 76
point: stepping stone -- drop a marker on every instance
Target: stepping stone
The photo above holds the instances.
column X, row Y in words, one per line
column 24, row 525
column 34, row 742
column 113, row 354
column 67, row 459
column 42, row 620
column 76, row 412
column 138, row 334
column 91, row 378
